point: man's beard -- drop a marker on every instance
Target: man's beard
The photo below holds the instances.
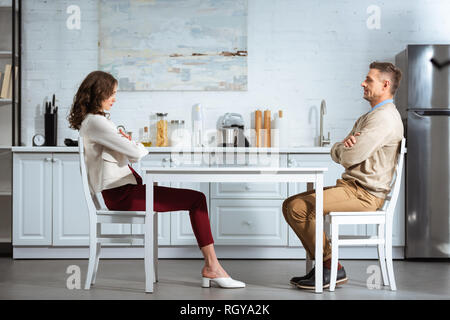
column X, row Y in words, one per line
column 367, row 98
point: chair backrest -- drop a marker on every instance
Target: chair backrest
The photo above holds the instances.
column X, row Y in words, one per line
column 92, row 200
column 391, row 199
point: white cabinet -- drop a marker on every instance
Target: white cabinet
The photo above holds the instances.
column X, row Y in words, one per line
column 248, row 222
column 70, row 212
column 32, row 200
column 48, row 206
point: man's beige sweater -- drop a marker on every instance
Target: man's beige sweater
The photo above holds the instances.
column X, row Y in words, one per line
column 371, row 161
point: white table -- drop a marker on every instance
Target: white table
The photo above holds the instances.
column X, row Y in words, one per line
column 233, row 174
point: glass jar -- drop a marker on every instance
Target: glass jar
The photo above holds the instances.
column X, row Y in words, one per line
column 177, row 133
column 162, row 139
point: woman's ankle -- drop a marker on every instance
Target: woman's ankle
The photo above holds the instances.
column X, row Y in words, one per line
column 214, row 271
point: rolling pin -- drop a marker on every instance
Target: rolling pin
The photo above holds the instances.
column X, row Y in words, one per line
column 267, row 120
column 258, row 125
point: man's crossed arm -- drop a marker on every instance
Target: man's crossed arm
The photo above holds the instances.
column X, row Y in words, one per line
column 359, row 146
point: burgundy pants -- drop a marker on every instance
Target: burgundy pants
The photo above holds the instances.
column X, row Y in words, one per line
column 131, row 197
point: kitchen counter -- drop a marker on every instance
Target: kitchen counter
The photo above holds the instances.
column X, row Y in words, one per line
column 305, row 149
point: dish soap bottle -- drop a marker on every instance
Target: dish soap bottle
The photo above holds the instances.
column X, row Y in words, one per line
column 282, row 126
column 197, row 125
column 146, row 138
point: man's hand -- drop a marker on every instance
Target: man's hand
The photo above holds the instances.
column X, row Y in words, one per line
column 351, row 141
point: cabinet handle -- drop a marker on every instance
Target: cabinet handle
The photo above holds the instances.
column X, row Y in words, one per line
column 175, row 163
column 292, row 163
column 55, row 160
column 48, row 159
column 247, row 187
column 249, row 223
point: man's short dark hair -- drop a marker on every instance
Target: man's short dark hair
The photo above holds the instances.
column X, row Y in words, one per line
column 395, row 74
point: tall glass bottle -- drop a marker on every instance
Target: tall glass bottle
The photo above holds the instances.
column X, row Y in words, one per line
column 146, row 138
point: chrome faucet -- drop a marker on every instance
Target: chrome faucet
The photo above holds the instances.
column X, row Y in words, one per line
column 323, row 111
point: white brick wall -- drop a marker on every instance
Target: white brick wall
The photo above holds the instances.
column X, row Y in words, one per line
column 299, row 53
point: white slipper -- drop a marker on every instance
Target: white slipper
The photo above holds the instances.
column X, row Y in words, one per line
column 227, row 283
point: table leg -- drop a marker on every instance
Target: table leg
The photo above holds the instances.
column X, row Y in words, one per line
column 148, row 234
column 319, row 233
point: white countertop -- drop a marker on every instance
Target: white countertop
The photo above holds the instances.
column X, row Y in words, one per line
column 188, row 149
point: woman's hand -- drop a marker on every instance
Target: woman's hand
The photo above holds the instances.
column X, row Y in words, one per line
column 124, row 134
column 351, row 141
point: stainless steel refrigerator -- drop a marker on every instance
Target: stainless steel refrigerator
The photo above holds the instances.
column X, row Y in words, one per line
column 423, row 100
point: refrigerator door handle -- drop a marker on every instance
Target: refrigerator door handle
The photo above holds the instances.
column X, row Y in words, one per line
column 419, row 114
column 425, row 113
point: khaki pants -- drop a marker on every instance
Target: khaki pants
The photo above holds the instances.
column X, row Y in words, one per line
column 346, row 195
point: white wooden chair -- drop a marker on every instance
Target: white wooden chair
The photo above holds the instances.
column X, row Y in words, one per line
column 99, row 214
column 382, row 217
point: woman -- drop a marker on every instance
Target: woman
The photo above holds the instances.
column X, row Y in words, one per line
column 107, row 154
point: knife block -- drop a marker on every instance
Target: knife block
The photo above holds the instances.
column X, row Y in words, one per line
column 51, row 125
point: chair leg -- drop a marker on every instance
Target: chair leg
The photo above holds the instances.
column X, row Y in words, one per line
column 389, row 264
column 91, row 266
column 388, row 251
column 155, row 247
column 382, row 255
column 334, row 254
column 97, row 258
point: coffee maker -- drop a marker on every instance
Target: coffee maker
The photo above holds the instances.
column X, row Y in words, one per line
column 231, row 131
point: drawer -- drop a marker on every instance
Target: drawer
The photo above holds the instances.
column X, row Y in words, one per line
column 154, row 160
column 189, row 159
column 248, row 222
column 255, row 190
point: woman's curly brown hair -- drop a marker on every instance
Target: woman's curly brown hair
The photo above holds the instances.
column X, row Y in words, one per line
column 95, row 88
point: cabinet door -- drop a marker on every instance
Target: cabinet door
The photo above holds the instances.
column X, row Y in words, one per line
column 248, row 222
column 181, row 228
column 155, row 160
column 70, row 212
column 32, row 200
column 334, row 172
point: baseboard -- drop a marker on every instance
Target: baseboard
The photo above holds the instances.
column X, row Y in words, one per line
column 193, row 252
column 6, row 249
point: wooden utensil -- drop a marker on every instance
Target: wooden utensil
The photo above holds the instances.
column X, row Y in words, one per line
column 267, row 120
column 258, row 125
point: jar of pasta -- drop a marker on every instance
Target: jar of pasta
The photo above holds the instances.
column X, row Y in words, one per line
column 162, row 138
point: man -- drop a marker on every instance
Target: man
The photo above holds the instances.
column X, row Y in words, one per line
column 368, row 154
